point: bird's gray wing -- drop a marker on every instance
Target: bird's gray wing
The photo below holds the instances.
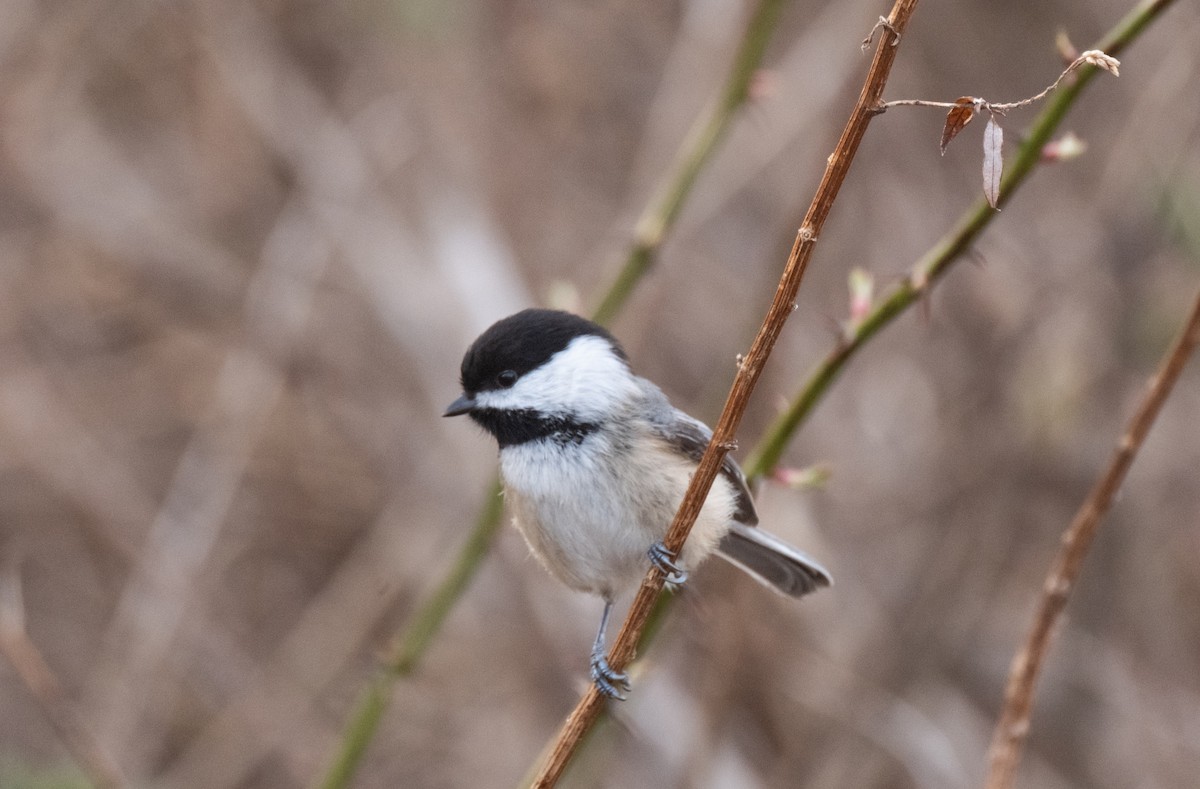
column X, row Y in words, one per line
column 690, row 437
column 766, row 558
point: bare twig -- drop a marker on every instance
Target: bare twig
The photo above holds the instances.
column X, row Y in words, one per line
column 1093, row 57
column 152, row 607
column 42, row 682
column 590, row 706
column 1013, row 726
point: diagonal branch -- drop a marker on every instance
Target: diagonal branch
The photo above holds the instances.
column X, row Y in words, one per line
column 1013, row 727
column 749, row 370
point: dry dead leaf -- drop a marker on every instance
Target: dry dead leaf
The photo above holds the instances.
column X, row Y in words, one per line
column 1100, row 60
column 958, row 117
column 993, row 161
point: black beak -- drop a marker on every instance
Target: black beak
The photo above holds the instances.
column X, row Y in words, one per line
column 463, row 405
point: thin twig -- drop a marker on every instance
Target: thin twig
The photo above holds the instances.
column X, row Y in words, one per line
column 1089, row 58
column 42, row 682
column 1013, row 727
column 590, row 706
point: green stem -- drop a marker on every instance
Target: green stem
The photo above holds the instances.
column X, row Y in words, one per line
column 697, row 149
column 416, row 639
column 360, row 731
column 411, row 646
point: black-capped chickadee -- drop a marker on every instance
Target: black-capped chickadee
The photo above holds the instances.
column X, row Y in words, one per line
column 595, row 462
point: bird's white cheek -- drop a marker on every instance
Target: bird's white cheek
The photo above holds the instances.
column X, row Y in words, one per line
column 585, row 380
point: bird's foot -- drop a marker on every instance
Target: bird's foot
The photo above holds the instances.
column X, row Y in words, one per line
column 610, row 682
column 664, row 560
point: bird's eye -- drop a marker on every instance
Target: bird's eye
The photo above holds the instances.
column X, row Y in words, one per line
column 506, row 379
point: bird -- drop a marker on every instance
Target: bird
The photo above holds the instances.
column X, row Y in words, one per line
column 595, row 461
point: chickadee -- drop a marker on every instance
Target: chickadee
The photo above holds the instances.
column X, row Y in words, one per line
column 595, row 462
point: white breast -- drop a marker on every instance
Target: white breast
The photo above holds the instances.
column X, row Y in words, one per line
column 591, row 522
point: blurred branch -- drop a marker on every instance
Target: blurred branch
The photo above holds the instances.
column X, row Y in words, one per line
column 586, row 713
column 651, row 229
column 938, row 260
column 52, row 441
column 411, row 645
column 280, row 710
column 1012, row 729
column 206, row 480
column 697, row 149
column 42, row 682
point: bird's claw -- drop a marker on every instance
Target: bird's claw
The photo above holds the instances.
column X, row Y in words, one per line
column 610, row 682
column 664, row 560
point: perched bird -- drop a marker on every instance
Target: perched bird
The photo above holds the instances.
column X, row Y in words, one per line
column 595, row 461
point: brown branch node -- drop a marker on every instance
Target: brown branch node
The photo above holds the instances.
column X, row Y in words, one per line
column 886, row 24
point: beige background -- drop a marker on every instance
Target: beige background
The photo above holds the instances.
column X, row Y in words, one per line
column 243, row 246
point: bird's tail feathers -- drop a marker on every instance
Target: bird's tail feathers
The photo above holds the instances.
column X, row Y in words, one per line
column 772, row 562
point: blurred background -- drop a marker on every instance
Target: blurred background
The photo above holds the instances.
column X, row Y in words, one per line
column 244, row 245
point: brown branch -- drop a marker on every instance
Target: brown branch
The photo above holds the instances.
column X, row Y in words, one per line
column 749, row 369
column 37, row 675
column 1013, row 726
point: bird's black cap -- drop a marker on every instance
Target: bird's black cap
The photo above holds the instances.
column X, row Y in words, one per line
column 523, row 342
